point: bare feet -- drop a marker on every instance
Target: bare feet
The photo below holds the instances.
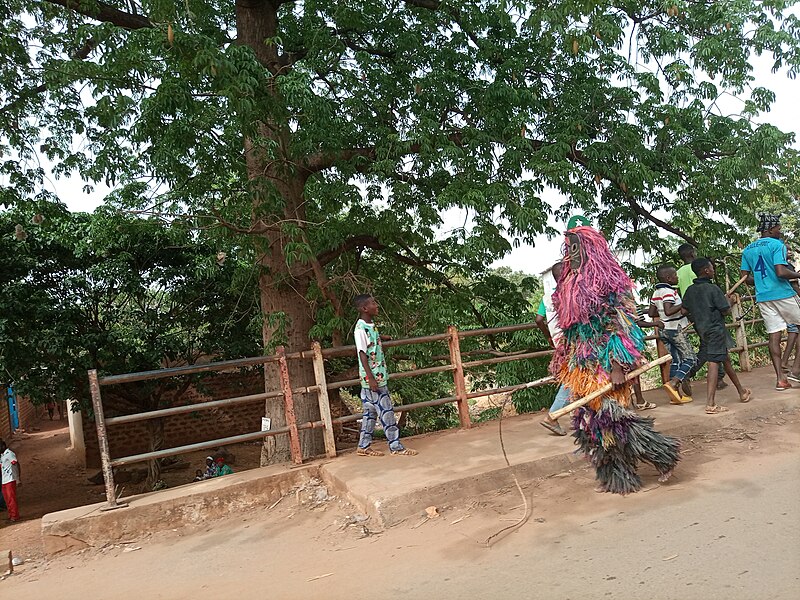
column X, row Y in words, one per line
column 665, row 476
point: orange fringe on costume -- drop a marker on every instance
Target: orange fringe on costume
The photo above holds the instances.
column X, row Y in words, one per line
column 582, row 382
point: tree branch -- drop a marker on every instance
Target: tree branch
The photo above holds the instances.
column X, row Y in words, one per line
column 100, row 11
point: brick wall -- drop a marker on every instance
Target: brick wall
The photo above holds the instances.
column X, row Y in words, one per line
column 186, row 428
column 28, row 414
column 5, row 419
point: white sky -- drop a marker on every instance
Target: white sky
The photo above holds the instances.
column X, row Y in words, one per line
column 528, row 258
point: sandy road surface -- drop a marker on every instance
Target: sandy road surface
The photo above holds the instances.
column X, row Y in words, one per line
column 728, row 526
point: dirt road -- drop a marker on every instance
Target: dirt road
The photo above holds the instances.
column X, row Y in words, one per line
column 727, row 527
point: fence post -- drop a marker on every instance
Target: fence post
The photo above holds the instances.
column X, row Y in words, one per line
column 661, row 349
column 102, row 440
column 741, row 334
column 324, row 402
column 458, row 377
column 288, row 403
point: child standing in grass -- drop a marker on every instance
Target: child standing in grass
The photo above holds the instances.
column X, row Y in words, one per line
column 374, row 378
column 707, row 306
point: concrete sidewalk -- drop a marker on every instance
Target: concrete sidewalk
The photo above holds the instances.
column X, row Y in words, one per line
column 459, row 464
column 452, row 466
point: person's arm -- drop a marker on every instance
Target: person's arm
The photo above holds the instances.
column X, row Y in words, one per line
column 373, row 383
column 652, row 310
column 671, row 307
column 617, row 375
column 541, row 323
column 720, row 302
column 784, row 272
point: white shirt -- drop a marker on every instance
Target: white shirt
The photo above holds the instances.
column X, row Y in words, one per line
column 549, row 286
column 9, row 466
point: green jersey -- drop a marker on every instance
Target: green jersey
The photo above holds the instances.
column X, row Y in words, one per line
column 368, row 341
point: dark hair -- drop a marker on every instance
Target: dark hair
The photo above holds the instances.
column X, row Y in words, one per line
column 661, row 271
column 359, row 300
column 699, row 264
column 685, row 250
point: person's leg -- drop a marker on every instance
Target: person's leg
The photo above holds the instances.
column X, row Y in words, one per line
column 559, row 402
column 389, row 423
column 368, row 398
column 775, row 323
column 794, row 373
column 791, row 340
column 711, row 385
column 744, row 393
column 10, row 496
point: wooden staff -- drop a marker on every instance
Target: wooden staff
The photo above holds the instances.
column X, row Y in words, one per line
column 607, row 388
column 736, row 285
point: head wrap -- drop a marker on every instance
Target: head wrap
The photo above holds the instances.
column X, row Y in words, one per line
column 767, row 222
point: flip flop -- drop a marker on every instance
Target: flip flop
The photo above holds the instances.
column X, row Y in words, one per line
column 716, row 409
column 557, row 429
column 646, row 406
column 746, row 396
column 674, row 396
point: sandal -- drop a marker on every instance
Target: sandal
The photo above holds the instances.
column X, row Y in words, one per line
column 746, row 396
column 716, row 409
column 646, row 406
column 554, row 427
column 674, row 396
column 405, row 452
column 368, row 452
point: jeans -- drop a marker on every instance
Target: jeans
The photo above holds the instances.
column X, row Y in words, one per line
column 683, row 357
column 561, row 399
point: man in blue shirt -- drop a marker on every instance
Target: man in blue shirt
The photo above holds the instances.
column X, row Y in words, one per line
column 765, row 265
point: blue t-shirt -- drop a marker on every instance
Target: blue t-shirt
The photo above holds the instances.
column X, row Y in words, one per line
column 760, row 258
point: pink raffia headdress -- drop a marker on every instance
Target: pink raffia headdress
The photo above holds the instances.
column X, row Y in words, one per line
column 583, row 293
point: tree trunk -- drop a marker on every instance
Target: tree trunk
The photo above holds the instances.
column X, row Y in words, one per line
column 277, row 195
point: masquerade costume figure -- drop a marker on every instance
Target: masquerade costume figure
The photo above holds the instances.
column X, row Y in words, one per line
column 597, row 314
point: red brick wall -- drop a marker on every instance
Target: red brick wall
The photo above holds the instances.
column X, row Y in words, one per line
column 187, row 428
column 28, row 413
column 5, row 418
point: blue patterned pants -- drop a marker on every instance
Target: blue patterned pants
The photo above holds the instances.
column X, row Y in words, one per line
column 378, row 405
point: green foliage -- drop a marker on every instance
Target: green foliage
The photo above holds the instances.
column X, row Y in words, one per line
column 336, row 137
column 118, row 294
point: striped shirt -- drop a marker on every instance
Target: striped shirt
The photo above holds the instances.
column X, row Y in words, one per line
column 666, row 293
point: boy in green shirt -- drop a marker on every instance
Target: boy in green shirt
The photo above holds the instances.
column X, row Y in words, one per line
column 374, row 377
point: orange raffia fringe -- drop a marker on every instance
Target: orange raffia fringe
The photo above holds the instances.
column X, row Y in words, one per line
column 582, row 382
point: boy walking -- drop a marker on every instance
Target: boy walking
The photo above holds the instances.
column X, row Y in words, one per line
column 374, row 377
column 765, row 264
column 666, row 305
column 9, row 467
column 707, row 307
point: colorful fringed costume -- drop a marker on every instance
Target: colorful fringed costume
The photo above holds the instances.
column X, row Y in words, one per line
column 594, row 302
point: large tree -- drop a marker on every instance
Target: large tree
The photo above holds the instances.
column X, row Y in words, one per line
column 332, row 134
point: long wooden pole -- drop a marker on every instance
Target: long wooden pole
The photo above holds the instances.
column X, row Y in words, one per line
column 736, row 285
column 607, row 388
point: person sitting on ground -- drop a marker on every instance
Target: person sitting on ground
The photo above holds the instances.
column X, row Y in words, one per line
column 764, row 263
column 548, row 325
column 665, row 304
column 211, row 468
column 706, row 305
column 374, row 382
column 222, row 468
column 10, row 474
column 198, row 475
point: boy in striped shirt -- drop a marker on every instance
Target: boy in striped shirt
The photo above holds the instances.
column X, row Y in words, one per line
column 666, row 305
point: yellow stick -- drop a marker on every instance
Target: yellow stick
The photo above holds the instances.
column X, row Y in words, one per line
column 736, row 285
column 607, row 388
